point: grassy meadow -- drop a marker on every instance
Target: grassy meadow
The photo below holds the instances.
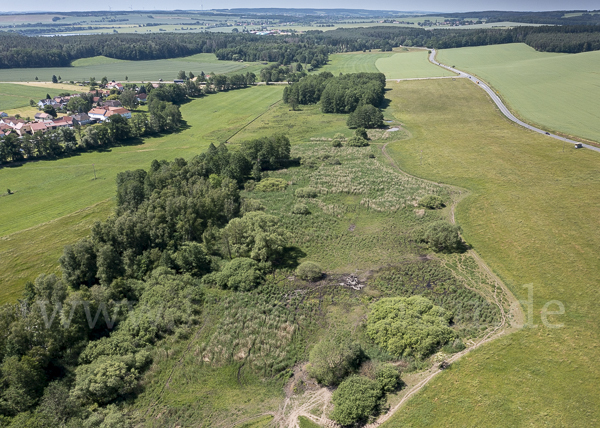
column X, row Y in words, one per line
column 533, row 216
column 559, row 92
column 136, row 71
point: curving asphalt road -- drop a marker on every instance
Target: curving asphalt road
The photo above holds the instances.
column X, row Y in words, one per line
column 503, row 108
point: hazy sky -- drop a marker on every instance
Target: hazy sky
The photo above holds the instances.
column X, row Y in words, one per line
column 400, row 5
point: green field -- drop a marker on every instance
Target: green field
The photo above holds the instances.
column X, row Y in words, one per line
column 533, row 216
column 15, row 96
column 400, row 64
column 558, row 92
column 408, row 65
column 98, row 67
column 356, row 62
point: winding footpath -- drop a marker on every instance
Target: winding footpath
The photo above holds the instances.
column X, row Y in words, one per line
column 502, row 107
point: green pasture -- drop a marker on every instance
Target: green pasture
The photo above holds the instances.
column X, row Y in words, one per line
column 15, row 96
column 532, row 214
column 558, row 92
column 98, row 67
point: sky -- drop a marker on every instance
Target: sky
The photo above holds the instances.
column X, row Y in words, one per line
column 400, row 5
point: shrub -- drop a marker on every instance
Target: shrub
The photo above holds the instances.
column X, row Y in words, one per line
column 257, row 235
column 441, row 236
column 241, row 274
column 271, row 185
column 306, row 192
column 357, row 142
column 365, row 116
column 361, row 132
column 387, row 377
column 411, row 326
column 309, row 271
column 249, row 205
column 333, row 358
column 192, row 259
column 454, row 347
column 339, row 136
column 433, row 202
column 300, row 209
column 336, row 143
column 356, row 399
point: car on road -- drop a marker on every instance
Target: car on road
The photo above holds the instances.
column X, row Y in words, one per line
column 547, row 133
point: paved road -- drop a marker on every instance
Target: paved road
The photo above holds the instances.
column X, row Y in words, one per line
column 502, row 107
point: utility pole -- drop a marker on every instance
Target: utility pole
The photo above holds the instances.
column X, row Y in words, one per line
column 94, row 166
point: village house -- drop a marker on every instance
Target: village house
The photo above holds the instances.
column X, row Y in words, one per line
column 103, row 114
column 81, row 119
column 114, row 85
column 41, row 116
column 3, row 114
column 112, row 103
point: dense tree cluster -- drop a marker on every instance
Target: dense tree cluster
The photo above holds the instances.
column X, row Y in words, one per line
column 281, row 53
column 282, row 73
column 74, row 345
column 345, row 93
column 307, row 90
column 222, row 82
column 342, row 94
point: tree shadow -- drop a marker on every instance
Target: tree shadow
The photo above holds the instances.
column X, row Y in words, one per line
column 289, row 258
column 385, row 103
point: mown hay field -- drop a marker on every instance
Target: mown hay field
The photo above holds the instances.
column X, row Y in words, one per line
column 559, row 92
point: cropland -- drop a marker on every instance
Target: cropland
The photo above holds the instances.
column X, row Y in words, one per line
column 559, row 92
column 527, row 207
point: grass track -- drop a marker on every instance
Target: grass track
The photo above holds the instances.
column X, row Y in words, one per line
column 559, row 92
column 533, row 216
column 98, row 67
